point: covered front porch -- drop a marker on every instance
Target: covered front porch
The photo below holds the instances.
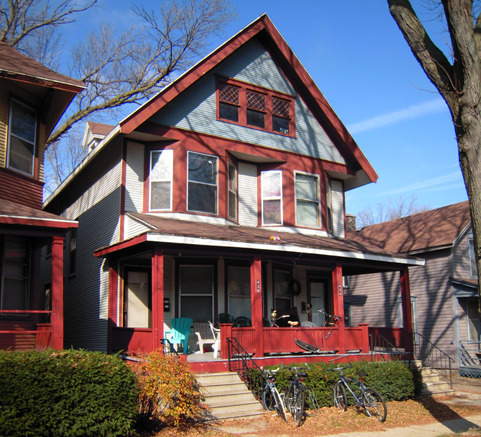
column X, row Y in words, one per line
column 204, row 272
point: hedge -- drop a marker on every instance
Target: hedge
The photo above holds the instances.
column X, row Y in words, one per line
column 395, row 380
column 69, row 393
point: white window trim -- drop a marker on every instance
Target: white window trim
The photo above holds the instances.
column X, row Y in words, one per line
column 414, row 316
column 272, row 198
column 171, row 161
column 10, row 134
column 204, row 183
column 319, row 219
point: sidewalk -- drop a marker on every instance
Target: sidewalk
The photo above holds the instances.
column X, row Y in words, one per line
column 431, row 429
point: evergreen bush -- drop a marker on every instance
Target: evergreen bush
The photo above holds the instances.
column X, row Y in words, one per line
column 67, row 393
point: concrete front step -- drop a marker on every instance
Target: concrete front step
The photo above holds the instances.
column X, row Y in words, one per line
column 227, row 397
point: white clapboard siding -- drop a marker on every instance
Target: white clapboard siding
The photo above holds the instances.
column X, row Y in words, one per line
column 134, row 185
column 337, row 208
column 195, row 109
column 100, row 190
column 461, row 259
column 247, row 189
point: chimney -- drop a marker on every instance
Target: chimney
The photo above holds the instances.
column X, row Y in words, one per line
column 350, row 223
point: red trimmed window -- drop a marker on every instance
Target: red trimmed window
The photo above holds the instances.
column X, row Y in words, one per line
column 255, row 107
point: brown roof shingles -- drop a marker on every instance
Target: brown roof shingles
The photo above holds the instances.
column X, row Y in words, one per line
column 416, row 233
column 13, row 63
column 13, row 210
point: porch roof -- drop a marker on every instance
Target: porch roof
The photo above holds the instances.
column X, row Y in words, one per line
column 196, row 235
column 13, row 213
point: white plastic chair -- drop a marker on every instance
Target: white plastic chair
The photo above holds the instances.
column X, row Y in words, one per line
column 216, row 335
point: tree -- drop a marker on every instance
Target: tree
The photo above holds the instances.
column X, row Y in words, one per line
column 390, row 210
column 458, row 80
column 119, row 66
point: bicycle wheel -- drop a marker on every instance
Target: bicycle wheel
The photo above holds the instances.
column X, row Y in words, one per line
column 289, row 398
column 313, row 403
column 268, row 399
column 298, row 406
column 279, row 404
column 340, row 398
column 374, row 404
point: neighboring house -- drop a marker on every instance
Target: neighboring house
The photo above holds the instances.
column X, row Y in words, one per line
column 224, row 193
column 443, row 293
column 32, row 99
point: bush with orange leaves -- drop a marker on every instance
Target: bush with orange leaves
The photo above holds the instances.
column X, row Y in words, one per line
column 169, row 392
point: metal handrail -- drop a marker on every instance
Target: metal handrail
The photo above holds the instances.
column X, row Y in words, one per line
column 383, row 344
column 168, row 348
column 434, row 358
column 240, row 361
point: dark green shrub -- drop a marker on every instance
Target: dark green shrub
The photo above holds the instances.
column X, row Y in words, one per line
column 67, row 393
column 393, row 379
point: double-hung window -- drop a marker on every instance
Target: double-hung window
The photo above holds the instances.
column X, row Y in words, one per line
column 256, row 107
column 22, row 132
column 161, row 170
column 271, row 182
column 473, row 268
column 202, row 183
column 307, row 200
column 232, row 191
column 329, row 213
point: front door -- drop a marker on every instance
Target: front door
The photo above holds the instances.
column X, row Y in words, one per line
column 317, row 295
column 137, row 299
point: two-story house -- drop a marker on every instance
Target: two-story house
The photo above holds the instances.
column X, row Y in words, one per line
column 223, row 194
column 444, row 293
column 32, row 99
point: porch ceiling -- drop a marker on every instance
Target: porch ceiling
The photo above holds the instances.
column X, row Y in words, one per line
column 293, row 247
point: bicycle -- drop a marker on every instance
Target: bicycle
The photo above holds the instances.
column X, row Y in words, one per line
column 314, row 349
column 271, row 398
column 296, row 395
column 370, row 400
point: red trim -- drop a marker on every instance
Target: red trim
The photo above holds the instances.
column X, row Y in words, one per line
column 157, row 298
column 112, row 305
column 120, row 246
column 45, row 223
column 57, row 293
column 256, row 304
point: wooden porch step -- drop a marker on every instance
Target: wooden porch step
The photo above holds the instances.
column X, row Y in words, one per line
column 227, row 396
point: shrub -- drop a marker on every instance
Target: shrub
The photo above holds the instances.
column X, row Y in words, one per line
column 68, row 393
column 169, row 392
column 393, row 379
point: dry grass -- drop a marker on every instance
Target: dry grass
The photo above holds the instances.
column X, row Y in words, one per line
column 332, row 420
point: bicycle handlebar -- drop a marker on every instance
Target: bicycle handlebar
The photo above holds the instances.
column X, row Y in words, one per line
column 330, row 315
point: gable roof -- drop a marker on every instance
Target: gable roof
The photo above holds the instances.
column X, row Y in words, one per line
column 265, row 31
column 54, row 90
column 429, row 230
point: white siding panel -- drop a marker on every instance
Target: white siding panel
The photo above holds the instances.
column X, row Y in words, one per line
column 247, row 180
column 337, row 208
column 133, row 227
column 461, row 260
column 101, row 189
column 195, row 109
column 134, row 187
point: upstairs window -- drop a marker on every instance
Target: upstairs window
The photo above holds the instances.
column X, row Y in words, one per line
column 22, row 131
column 257, row 107
column 330, row 218
column 307, row 200
column 202, row 183
column 161, row 170
column 232, row 191
column 271, row 182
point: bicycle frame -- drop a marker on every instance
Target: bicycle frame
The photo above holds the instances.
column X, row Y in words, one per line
column 296, row 396
column 359, row 383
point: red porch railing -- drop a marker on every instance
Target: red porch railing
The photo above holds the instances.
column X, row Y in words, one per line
column 282, row 340
column 24, row 334
column 136, row 340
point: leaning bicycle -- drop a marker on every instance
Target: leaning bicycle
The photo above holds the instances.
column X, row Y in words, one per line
column 271, row 398
column 368, row 399
column 296, row 395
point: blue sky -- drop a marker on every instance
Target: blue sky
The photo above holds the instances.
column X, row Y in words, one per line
column 360, row 61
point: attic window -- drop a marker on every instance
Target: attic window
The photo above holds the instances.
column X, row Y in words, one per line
column 255, row 107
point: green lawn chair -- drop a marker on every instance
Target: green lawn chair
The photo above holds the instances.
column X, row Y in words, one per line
column 179, row 334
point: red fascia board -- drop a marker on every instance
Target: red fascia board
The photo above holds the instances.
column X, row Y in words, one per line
column 43, row 223
column 325, row 111
column 102, row 252
column 178, row 86
column 47, row 83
